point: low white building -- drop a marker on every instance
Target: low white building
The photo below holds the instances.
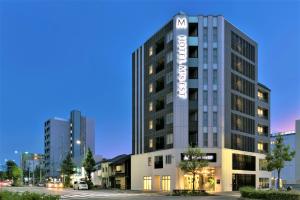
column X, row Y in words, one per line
column 290, row 174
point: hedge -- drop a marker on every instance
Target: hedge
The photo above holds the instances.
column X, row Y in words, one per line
column 6, row 195
column 251, row 193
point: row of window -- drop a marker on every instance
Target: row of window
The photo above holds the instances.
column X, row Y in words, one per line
column 242, row 66
column 243, row 143
column 242, row 85
column 160, row 122
column 165, row 183
column 242, row 124
column 243, row 47
column 161, row 142
column 262, row 96
column 243, row 105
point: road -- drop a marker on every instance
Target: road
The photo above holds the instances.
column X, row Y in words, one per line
column 69, row 194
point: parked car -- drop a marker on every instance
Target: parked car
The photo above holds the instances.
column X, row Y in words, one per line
column 6, row 183
column 41, row 184
column 80, row 185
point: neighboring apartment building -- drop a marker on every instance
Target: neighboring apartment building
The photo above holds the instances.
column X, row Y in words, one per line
column 113, row 173
column 290, row 174
column 63, row 136
column 195, row 84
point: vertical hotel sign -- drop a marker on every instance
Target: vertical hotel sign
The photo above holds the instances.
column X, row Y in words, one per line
column 181, row 51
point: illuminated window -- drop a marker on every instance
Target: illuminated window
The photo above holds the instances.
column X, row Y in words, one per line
column 259, row 129
column 260, row 112
column 165, row 183
column 260, row 95
column 150, row 51
column 260, row 146
column 147, row 182
column 151, row 124
column 150, row 143
column 151, row 106
column 118, row 168
column 150, row 69
column 150, row 87
column 169, row 139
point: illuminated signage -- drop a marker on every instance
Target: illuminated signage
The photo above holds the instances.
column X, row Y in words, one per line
column 181, row 23
column 182, row 66
column 181, row 61
column 210, row 157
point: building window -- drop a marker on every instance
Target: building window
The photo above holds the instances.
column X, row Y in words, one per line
column 243, row 162
column 169, row 77
column 160, row 143
column 165, row 183
column 205, row 139
column 205, row 98
column 168, row 159
column 151, row 124
column 264, row 183
column 160, row 104
column 215, row 119
column 193, row 94
column 215, row 34
column 193, row 72
column 169, row 118
column 151, row 106
column 193, row 29
column 118, row 168
column 215, row 98
column 160, row 123
column 150, row 51
column 150, row 87
column 193, row 51
column 260, row 112
column 205, row 119
column 205, row 56
column 169, row 57
column 149, row 161
column 263, row 163
column 260, row 146
column 169, row 37
column 215, row 139
column 215, row 56
column 158, row 162
column 169, row 98
column 150, row 69
column 215, row 77
column 260, row 95
column 147, row 182
column 205, row 34
column 169, row 138
column 205, row 77
column 151, row 143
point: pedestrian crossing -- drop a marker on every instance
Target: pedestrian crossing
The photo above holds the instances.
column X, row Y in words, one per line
column 94, row 195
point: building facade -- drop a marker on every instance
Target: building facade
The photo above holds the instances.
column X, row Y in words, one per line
column 113, row 173
column 195, row 84
column 290, row 174
column 63, row 136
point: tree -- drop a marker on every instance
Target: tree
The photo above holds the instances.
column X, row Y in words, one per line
column 67, row 169
column 89, row 164
column 279, row 155
column 9, row 168
column 193, row 163
column 16, row 175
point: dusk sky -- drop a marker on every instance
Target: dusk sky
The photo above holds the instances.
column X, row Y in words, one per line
column 56, row 56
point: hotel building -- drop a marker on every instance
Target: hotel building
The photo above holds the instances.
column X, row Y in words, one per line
column 63, row 136
column 195, row 84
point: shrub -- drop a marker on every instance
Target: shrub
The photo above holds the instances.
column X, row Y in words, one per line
column 6, row 195
column 252, row 193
